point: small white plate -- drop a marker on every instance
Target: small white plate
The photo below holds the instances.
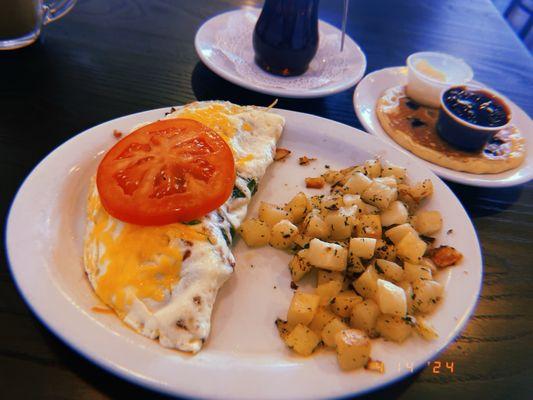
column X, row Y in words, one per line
column 370, row 89
column 244, row 356
column 224, row 44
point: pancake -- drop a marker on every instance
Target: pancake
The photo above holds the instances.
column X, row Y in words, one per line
column 413, row 126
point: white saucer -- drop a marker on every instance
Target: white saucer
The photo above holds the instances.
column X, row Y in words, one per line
column 373, row 85
column 224, row 44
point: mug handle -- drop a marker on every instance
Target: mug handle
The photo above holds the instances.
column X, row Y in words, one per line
column 56, row 9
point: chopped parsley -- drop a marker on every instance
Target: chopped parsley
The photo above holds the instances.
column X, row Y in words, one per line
column 252, row 186
column 237, row 193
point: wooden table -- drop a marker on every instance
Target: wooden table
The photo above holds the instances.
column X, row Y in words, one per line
column 110, row 58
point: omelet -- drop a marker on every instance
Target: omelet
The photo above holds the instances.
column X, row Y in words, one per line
column 162, row 281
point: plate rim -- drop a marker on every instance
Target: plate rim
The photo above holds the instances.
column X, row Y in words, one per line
column 461, row 177
column 158, row 386
column 307, row 94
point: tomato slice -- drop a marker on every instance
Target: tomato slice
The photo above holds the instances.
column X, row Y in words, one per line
column 173, row 170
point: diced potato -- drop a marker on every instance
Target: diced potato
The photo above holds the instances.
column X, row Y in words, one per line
column 364, row 315
column 272, row 214
column 394, row 328
column 391, row 298
column 357, row 183
column 385, row 250
column 396, row 214
column 367, row 284
column 302, row 340
column 404, row 195
column 353, row 349
column 324, row 276
column 302, row 309
column 326, row 255
column 422, row 189
column 332, row 176
column 298, row 207
column 316, row 201
column 342, row 304
column 428, row 263
column 408, row 289
column 341, row 222
column 427, row 222
column 283, row 328
column 362, row 207
column 255, row 232
column 391, row 270
column 354, row 266
column 375, row 366
column 351, row 200
column 425, row 329
column 327, row 291
column 299, row 266
column 363, row 247
column 369, row 226
column 331, row 329
column 426, row 295
column 372, row 168
column 282, row 234
column 413, row 272
column 389, row 181
column 321, row 319
column 330, row 203
column 411, row 248
column 390, row 169
column 445, row 256
column 315, row 182
column 301, row 240
column 379, row 195
column 314, row 226
column 398, row 232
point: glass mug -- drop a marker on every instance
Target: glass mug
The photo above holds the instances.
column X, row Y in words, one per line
column 21, row 20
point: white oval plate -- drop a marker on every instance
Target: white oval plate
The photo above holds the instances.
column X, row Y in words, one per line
column 224, row 61
column 370, row 89
column 244, row 354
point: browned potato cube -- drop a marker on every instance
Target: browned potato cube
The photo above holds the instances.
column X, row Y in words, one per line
column 299, row 267
column 298, row 207
column 353, row 349
column 324, row 276
column 331, row 329
column 343, row 303
column 369, row 226
column 283, row 328
column 302, row 309
column 302, row 340
column 255, row 232
column 272, row 214
column 394, row 328
column 364, row 315
column 322, row 317
column 327, row 291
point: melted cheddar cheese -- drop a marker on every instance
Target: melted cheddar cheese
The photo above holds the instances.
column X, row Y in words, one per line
column 133, row 260
column 246, row 158
column 215, row 116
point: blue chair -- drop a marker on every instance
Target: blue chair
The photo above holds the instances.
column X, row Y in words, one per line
column 525, row 6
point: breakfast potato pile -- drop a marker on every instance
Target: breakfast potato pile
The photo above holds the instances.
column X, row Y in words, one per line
column 374, row 259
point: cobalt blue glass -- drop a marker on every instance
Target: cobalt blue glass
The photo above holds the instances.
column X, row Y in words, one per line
column 285, row 37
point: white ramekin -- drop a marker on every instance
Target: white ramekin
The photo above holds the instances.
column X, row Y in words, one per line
column 426, row 90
